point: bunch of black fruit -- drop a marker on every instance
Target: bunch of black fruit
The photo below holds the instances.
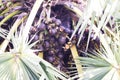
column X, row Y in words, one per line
column 52, row 36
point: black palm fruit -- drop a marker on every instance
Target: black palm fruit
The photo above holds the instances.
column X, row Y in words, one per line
column 67, row 30
column 51, row 52
column 62, row 40
column 61, row 28
column 53, row 31
column 57, row 22
column 41, row 27
column 53, row 19
column 33, row 30
column 58, row 49
column 50, row 58
column 34, row 37
column 52, row 39
column 60, row 55
column 46, row 44
column 40, row 47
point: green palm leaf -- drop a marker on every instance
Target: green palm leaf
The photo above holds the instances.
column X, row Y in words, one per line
column 22, row 64
column 105, row 63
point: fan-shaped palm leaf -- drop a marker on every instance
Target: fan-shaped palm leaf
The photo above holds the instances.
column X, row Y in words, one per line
column 22, row 64
column 105, row 63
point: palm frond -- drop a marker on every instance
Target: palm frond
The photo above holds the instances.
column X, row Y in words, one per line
column 11, row 32
column 21, row 61
column 104, row 63
column 8, row 17
column 24, row 64
column 99, row 67
column 86, row 19
column 31, row 17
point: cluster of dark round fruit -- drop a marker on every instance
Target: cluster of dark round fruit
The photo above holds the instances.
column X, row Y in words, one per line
column 52, row 36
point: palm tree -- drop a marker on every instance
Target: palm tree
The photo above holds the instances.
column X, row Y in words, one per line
column 21, row 63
